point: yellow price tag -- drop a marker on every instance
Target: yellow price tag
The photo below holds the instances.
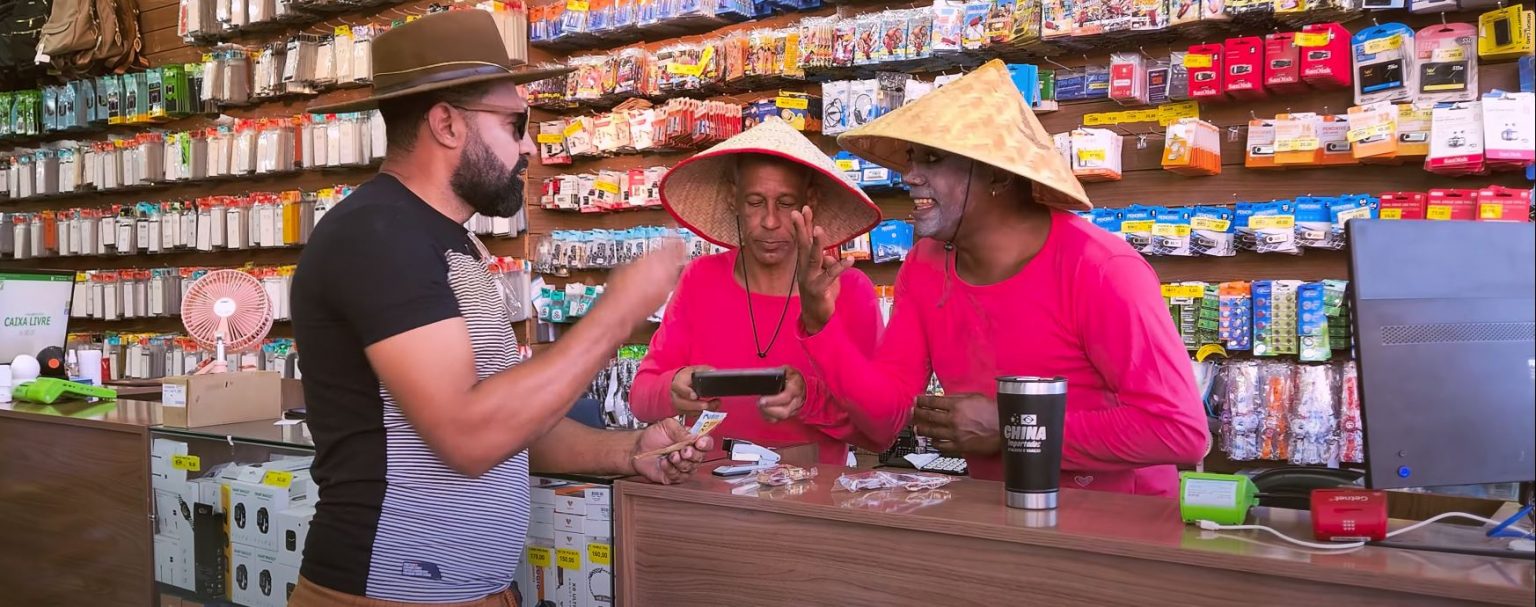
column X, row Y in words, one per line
column 685, row 70
column 1144, row 115
column 1137, row 226
column 551, row 138
column 1272, row 222
column 566, row 558
column 539, row 556
column 207, row 57
column 1391, row 213
column 609, row 187
column 600, row 554
column 1169, row 230
column 1194, row 60
column 82, row 276
column 1438, row 212
column 1183, row 291
column 792, row 103
column 707, row 56
column 1170, row 113
column 277, row 478
column 1382, row 45
column 576, row 5
column 573, row 128
column 1087, row 156
column 1311, row 39
column 1448, row 54
column 1490, row 211
column 343, row 31
column 1364, row 133
column 1300, row 144
column 847, row 165
column 1210, row 224
column 190, row 463
column 1095, row 119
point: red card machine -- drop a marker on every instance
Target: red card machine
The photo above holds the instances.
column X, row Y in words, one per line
column 1349, row 515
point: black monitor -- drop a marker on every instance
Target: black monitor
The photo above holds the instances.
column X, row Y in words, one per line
column 34, row 310
column 1443, row 314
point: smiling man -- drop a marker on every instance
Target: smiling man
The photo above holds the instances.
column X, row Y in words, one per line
column 1006, row 281
column 425, row 418
column 738, row 309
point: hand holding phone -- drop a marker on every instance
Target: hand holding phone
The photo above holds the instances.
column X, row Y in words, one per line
column 739, row 382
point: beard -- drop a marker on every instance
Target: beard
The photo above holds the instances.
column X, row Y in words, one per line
column 489, row 186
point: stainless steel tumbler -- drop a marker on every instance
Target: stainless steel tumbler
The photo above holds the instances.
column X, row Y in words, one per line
column 1031, row 411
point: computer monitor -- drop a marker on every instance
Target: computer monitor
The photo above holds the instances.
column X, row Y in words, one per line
column 34, row 310
column 1444, row 315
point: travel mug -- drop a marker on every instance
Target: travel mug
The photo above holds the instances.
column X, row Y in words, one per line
column 1031, row 412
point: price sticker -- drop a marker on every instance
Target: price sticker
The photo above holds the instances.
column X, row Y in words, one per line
column 1448, row 54
column 609, row 187
column 845, row 164
column 1096, row 119
column 1170, row 113
column 1493, row 211
column 207, row 57
column 579, row 6
column 707, row 56
column 551, row 138
column 278, row 478
column 572, row 129
column 1438, row 212
column 600, row 554
column 1193, row 60
column 1272, row 222
column 343, row 31
column 566, row 558
column 190, row 463
column 539, row 556
column 1391, row 213
column 792, row 103
column 1382, row 45
column 1169, row 230
column 1299, row 144
column 1090, row 156
column 1138, row 226
column 1311, row 39
column 1210, row 224
column 1369, row 132
column 1183, row 291
column 685, row 70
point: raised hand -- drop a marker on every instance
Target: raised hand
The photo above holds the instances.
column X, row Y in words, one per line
column 640, row 287
column 684, row 400
column 819, row 271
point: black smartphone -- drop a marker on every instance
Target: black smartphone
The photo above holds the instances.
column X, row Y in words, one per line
column 738, row 382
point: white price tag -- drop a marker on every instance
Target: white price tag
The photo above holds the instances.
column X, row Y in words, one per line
column 173, row 395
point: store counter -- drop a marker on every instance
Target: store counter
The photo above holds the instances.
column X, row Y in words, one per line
column 710, row 542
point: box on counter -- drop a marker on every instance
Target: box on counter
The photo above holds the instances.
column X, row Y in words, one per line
column 293, row 531
column 191, row 401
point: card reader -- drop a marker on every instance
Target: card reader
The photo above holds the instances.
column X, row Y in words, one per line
column 1221, row 498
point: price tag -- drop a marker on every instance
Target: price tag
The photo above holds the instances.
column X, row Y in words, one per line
column 1139, row 226
column 572, row 129
column 707, row 56
column 685, row 70
column 278, row 478
column 1087, row 156
column 1382, row 45
column 1095, row 119
column 1183, row 291
column 207, row 57
column 1299, row 144
column 1438, row 212
column 1311, row 39
column 173, row 395
column 1448, row 54
column 600, row 554
column 1493, row 211
column 1210, row 224
column 1193, row 60
column 604, row 186
column 1353, row 214
column 1170, row 113
column 1272, row 222
column 1391, row 213
column 792, row 103
column 551, row 138
column 566, row 558
column 343, row 31
column 1364, row 133
column 539, row 556
column 1169, row 230
column 576, row 5
column 847, row 165
column 190, row 463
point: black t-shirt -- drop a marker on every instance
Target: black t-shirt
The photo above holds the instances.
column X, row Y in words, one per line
column 393, row 522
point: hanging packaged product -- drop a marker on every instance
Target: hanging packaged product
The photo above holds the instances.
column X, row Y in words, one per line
column 1496, row 203
column 1212, row 232
column 1243, row 59
column 1385, row 64
column 1109, row 220
column 1333, row 134
column 1282, row 64
column 1260, row 153
column 1456, row 139
column 1193, row 147
column 1128, row 78
column 1446, row 204
column 1509, row 130
column 1325, row 55
column 1096, row 155
column 1267, row 227
column 1414, row 123
column 1275, row 317
column 1136, row 225
column 1178, row 77
column 1297, row 140
column 1447, row 63
column 1373, row 132
column 1404, row 205
column 1312, row 330
column 1205, row 67
column 1505, row 34
column 1171, row 231
column 1157, row 83
column 1236, row 316
column 1314, row 229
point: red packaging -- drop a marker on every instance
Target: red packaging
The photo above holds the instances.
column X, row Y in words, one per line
column 1447, row 204
column 1325, row 62
column 1244, row 59
column 1497, row 203
column 1403, row 205
column 1349, row 515
column 1282, row 64
column 1204, row 64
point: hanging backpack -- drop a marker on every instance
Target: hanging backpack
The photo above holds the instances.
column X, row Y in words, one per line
column 21, row 24
column 71, row 28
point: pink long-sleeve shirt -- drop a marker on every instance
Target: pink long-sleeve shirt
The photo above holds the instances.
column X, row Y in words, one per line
column 706, row 324
column 1087, row 308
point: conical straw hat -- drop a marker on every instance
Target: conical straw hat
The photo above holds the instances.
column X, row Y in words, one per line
column 981, row 116
column 698, row 191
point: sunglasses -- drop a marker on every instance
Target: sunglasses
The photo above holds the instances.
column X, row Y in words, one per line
column 519, row 117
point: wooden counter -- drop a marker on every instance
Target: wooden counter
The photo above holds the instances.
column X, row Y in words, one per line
column 74, row 504
column 708, row 542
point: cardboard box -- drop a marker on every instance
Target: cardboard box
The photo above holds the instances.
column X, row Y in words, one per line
column 174, row 563
column 253, row 508
column 284, row 580
column 600, row 502
column 191, row 401
column 252, row 576
column 293, row 531
column 571, row 578
column 162, row 468
column 173, row 510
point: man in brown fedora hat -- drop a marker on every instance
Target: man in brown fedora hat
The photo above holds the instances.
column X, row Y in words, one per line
column 1007, row 281
column 425, row 419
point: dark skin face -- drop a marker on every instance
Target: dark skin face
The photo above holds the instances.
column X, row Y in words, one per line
column 766, row 193
column 940, row 182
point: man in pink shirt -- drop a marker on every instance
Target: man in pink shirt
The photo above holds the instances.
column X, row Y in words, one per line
column 1006, row 281
column 738, row 309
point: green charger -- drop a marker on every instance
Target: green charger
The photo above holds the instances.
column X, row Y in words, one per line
column 1221, row 498
column 48, row 390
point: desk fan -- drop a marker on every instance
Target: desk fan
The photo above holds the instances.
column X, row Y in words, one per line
column 226, row 310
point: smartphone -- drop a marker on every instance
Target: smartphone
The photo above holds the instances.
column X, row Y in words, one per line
column 739, row 382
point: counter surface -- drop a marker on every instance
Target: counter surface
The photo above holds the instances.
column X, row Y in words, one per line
column 124, row 415
column 1100, row 524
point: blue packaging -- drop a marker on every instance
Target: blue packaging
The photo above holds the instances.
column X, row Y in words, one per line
column 1213, row 232
column 1274, row 227
column 1109, row 220
column 1170, row 231
column 891, row 240
column 1137, row 227
column 1026, row 78
column 1528, row 73
column 1314, row 224
column 1345, row 209
column 1312, row 323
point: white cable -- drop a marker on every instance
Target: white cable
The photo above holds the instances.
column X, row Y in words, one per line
column 1214, row 526
column 1474, row 517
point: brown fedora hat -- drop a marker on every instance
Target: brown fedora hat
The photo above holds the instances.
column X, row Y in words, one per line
column 439, row 51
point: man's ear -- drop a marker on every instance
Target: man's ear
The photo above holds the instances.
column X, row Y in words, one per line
column 448, row 128
column 1001, row 179
column 813, row 194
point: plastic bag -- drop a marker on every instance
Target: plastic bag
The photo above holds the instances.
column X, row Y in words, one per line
column 779, row 476
column 879, row 479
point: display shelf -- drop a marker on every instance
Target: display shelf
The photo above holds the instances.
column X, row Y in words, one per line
column 264, row 433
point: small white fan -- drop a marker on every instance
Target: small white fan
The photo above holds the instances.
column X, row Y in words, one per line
column 226, row 310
